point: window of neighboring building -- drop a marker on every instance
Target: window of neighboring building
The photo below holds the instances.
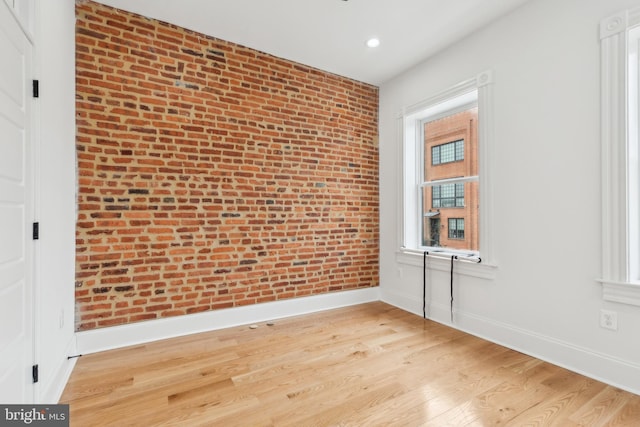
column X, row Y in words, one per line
column 620, row 112
column 447, row 153
column 447, row 196
column 456, row 228
column 446, row 163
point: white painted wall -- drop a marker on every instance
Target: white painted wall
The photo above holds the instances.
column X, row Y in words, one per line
column 55, row 204
column 544, row 299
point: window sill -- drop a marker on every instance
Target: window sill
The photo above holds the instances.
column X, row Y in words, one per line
column 622, row 292
column 415, row 258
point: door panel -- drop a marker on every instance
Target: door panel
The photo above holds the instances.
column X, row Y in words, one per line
column 14, row 252
column 11, row 150
column 16, row 211
column 13, row 298
column 13, row 375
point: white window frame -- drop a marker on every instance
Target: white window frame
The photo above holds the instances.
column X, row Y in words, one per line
column 409, row 124
column 620, row 165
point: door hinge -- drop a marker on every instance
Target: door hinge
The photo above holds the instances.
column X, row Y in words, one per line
column 36, row 88
column 36, row 230
column 34, row 373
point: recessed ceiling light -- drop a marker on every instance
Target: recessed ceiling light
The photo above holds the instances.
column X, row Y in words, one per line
column 373, row 42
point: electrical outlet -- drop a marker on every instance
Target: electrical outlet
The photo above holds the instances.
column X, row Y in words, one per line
column 609, row 319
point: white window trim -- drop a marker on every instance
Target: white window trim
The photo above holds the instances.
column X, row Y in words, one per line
column 617, row 286
column 410, row 256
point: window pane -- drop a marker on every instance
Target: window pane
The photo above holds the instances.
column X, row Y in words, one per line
column 447, row 191
column 460, row 189
column 452, row 204
column 460, row 150
column 435, row 155
column 447, row 153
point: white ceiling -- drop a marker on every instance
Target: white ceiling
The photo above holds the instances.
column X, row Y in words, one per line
column 331, row 34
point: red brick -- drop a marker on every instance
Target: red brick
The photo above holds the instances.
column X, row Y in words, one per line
column 214, row 176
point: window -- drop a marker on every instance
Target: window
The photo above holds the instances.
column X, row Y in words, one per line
column 447, row 153
column 620, row 109
column 446, row 170
column 456, row 228
column 450, row 176
column 447, row 196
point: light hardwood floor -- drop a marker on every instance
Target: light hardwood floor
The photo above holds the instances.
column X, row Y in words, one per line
column 367, row 365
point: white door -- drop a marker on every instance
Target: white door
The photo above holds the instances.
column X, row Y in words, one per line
column 16, row 210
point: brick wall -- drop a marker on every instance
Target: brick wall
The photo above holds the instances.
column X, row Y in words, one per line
column 212, row 175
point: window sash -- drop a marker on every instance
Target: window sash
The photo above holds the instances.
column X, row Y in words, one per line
column 462, row 179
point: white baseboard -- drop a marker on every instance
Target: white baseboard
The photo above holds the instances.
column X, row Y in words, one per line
column 152, row 330
column 619, row 373
column 616, row 372
column 412, row 305
column 53, row 392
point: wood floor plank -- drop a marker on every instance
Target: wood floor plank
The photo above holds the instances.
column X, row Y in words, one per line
column 371, row 364
column 601, row 408
column 629, row 414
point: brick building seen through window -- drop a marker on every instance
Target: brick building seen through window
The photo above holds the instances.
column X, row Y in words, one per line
column 450, row 188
